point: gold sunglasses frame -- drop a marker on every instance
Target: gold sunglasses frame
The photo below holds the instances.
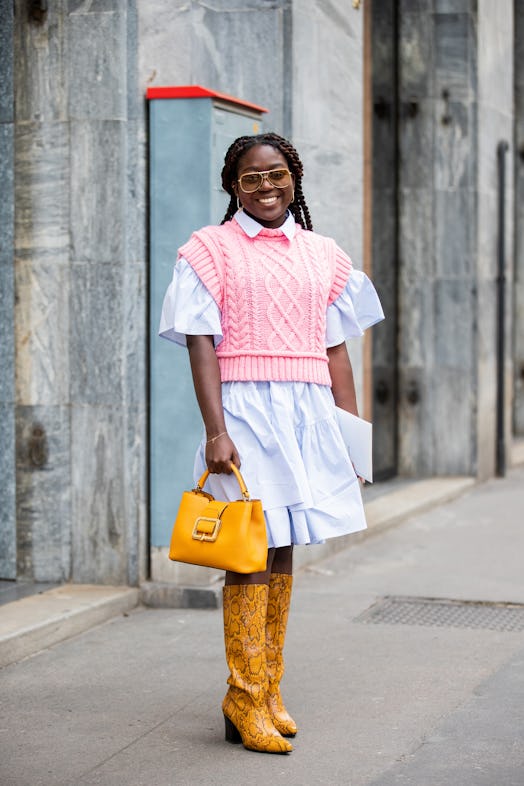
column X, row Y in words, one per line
column 265, row 176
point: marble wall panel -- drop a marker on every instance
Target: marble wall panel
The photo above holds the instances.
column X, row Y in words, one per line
column 416, row 51
column 417, row 235
column 7, row 420
column 455, row 144
column 220, row 38
column 332, row 183
column 452, row 55
column 7, row 203
column 165, row 44
column 7, row 492
column 136, row 475
column 518, row 359
column 494, row 126
column 416, row 6
column 518, row 325
column 85, row 7
column 417, row 325
column 133, row 344
column 415, row 422
column 136, row 215
column 42, row 332
column 43, row 493
column 7, row 338
column 384, row 152
column 416, row 142
column 455, row 238
column 453, row 421
column 452, row 6
column 327, row 125
column 6, row 62
column 382, row 25
column 97, row 62
column 42, row 191
column 41, row 65
column 99, row 498
column 454, row 342
column 98, row 177
column 97, row 334
column 487, row 234
column 495, row 32
column 322, row 113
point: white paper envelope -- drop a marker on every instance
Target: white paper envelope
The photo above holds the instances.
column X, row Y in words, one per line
column 358, row 438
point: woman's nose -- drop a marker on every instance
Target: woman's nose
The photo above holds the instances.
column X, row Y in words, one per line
column 265, row 183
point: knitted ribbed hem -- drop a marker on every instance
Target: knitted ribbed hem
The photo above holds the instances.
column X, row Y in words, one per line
column 260, row 368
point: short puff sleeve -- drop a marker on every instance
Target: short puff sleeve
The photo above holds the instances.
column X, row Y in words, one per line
column 188, row 308
column 355, row 309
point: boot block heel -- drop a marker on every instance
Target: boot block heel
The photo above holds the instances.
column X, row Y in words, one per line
column 232, row 733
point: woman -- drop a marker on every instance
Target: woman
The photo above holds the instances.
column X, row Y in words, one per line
column 265, row 305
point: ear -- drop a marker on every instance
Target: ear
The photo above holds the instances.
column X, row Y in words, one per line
column 234, row 186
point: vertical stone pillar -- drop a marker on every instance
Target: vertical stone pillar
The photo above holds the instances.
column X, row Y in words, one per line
column 42, row 280
column 7, row 300
column 107, row 317
column 495, row 123
column 455, row 105
column 80, row 292
column 518, row 336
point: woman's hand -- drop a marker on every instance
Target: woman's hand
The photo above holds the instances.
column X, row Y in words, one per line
column 220, row 452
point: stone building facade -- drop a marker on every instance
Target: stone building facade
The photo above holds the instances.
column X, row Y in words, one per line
column 397, row 110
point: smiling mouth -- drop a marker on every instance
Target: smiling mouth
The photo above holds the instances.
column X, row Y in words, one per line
column 268, row 200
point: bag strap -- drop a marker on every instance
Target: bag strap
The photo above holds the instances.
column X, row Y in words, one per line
column 241, row 482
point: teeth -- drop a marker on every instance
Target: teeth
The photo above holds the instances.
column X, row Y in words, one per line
column 268, row 200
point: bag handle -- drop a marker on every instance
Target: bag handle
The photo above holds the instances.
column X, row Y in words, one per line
column 241, row 482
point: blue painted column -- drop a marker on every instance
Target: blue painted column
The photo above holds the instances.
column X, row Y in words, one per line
column 189, row 136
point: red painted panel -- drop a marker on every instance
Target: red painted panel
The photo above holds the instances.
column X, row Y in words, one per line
column 196, row 91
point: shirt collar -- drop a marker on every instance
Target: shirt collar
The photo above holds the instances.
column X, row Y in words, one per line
column 252, row 227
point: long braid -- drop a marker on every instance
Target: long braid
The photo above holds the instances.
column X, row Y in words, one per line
column 298, row 207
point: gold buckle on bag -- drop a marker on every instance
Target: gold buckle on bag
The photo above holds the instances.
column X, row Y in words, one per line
column 208, row 537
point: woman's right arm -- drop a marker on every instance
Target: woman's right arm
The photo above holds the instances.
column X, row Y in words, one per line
column 208, row 390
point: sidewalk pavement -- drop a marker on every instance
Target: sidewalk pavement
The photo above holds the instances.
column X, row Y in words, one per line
column 411, row 693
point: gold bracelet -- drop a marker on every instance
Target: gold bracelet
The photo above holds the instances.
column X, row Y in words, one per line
column 213, row 439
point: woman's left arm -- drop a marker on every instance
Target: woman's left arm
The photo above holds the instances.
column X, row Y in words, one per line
column 342, row 382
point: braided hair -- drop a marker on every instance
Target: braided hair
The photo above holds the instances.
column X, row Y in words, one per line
column 298, row 207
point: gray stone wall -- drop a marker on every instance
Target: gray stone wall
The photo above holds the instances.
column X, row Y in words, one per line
column 518, row 319
column 455, row 105
column 80, row 293
column 437, row 198
column 495, row 117
column 7, row 300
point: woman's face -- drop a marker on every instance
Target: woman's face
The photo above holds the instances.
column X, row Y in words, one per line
column 269, row 204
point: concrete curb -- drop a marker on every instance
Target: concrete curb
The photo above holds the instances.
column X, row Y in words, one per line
column 34, row 623
column 165, row 595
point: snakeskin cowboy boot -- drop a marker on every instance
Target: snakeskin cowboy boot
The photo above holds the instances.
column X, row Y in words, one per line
column 245, row 707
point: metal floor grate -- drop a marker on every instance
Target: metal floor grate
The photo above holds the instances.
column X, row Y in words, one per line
column 445, row 613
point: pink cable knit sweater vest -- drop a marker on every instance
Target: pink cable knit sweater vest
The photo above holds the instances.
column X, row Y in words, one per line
column 273, row 295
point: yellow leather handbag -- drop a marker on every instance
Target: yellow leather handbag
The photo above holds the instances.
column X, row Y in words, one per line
column 224, row 535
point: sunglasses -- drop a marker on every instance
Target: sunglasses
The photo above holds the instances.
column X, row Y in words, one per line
column 252, row 181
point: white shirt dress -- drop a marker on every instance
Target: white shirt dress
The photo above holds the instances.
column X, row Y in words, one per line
column 292, row 453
